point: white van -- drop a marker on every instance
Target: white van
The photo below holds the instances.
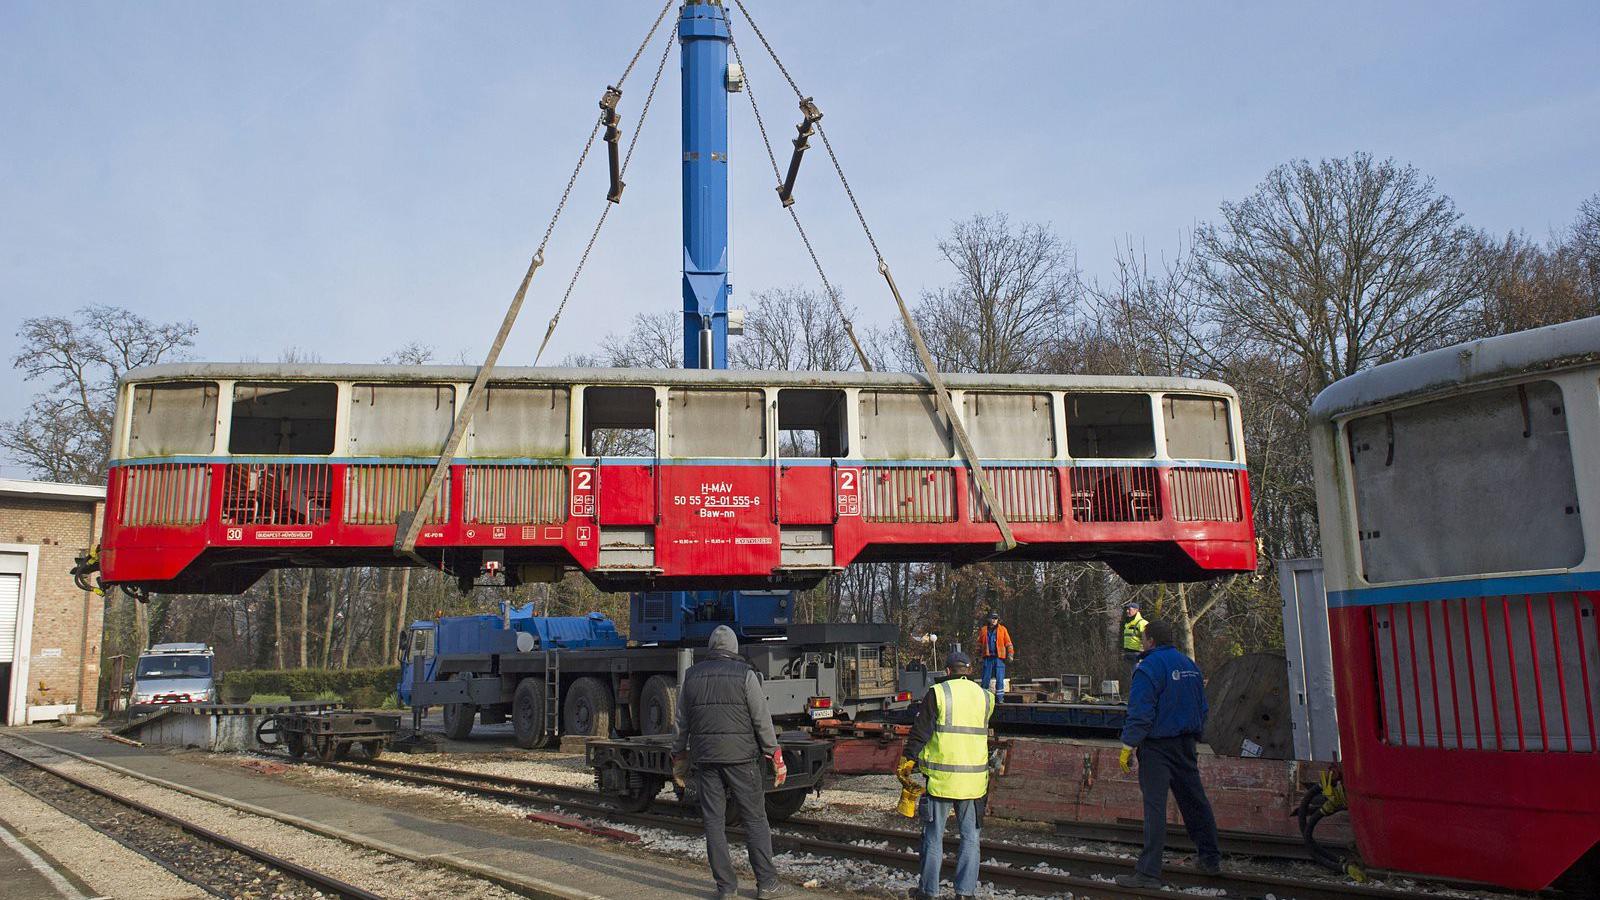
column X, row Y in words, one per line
column 173, row 673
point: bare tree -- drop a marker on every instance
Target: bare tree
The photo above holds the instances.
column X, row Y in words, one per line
column 1014, row 286
column 65, row 434
column 412, row 353
column 1531, row 285
column 792, row 329
column 653, row 341
column 1340, row 265
column 1145, row 320
column 1585, row 245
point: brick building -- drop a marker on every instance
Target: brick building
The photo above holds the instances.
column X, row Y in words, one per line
column 50, row 630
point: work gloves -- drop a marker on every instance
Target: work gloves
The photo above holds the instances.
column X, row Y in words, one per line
column 1125, row 759
column 905, row 769
column 780, row 769
column 680, row 769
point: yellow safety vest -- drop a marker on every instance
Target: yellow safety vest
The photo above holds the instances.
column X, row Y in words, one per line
column 1133, row 633
column 956, row 759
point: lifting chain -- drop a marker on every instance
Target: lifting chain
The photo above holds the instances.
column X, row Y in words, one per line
column 408, row 524
column 827, row 286
column 606, row 211
column 941, row 393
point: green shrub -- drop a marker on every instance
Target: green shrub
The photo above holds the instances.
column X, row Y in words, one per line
column 364, row 697
column 371, row 684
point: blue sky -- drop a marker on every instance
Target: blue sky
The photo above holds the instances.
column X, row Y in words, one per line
column 347, row 177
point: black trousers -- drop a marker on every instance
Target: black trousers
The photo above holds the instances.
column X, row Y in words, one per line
column 1170, row 764
column 1131, row 658
column 742, row 785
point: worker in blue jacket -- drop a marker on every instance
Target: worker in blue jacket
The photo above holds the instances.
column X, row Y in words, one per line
column 1166, row 716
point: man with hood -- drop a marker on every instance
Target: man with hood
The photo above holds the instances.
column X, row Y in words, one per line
column 724, row 731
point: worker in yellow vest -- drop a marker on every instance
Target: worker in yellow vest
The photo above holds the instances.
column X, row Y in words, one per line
column 949, row 745
column 1132, row 638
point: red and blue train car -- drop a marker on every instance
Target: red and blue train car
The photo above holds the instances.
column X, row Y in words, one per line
column 664, row 479
column 1459, row 497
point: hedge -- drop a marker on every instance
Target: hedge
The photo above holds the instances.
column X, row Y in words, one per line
column 344, row 682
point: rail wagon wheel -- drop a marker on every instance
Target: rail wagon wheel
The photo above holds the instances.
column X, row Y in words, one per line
column 295, row 743
column 658, row 705
column 372, row 749
column 527, row 713
column 588, row 708
column 458, row 717
column 783, row 804
column 641, row 791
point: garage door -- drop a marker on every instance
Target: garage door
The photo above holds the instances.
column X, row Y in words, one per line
column 10, row 599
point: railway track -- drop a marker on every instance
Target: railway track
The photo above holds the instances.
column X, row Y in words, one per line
column 1037, row 870
column 213, row 862
column 1233, row 843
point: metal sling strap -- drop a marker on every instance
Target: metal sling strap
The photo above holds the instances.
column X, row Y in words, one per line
column 941, row 394
column 408, row 524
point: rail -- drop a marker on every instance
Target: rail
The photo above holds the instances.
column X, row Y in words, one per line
column 319, row 880
column 1019, row 867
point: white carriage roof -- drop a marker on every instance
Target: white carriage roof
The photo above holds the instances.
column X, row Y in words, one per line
column 698, row 377
column 1546, row 349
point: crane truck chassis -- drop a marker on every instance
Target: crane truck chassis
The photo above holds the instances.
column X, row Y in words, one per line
column 575, row 676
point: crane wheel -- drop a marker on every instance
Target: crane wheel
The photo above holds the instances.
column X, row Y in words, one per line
column 658, row 705
column 527, row 713
column 458, row 717
column 588, row 707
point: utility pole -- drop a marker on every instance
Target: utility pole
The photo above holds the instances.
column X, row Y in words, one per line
column 703, row 39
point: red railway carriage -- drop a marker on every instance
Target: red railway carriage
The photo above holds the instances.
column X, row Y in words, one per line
column 664, row 479
column 1456, row 491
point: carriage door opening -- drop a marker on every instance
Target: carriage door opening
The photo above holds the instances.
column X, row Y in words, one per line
column 811, row 440
column 619, row 430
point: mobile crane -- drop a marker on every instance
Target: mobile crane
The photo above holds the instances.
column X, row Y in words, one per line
column 551, row 676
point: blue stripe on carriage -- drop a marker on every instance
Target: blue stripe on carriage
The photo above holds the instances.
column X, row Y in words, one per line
column 1468, row 588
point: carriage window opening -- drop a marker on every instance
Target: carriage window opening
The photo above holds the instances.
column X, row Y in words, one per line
column 283, row 417
column 619, row 421
column 1466, row 485
column 903, row 425
column 811, row 423
column 522, row 421
column 400, row 419
column 1197, row 427
column 716, row 423
column 1110, row 426
column 1010, row 426
column 173, row 417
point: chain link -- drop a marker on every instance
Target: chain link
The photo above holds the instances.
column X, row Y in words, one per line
column 860, row 216
column 595, row 131
column 594, row 235
column 770, row 52
column 645, row 43
column 827, row 286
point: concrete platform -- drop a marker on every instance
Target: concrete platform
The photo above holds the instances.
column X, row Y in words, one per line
column 553, row 866
column 27, row 874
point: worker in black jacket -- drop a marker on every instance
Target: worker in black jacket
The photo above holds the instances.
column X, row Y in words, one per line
column 724, row 731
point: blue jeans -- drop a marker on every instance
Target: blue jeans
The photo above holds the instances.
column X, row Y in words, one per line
column 994, row 667
column 933, row 813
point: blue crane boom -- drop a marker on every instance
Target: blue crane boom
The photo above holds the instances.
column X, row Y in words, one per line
column 703, row 38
